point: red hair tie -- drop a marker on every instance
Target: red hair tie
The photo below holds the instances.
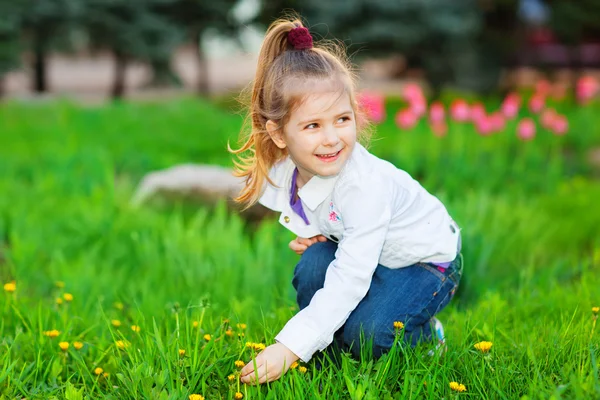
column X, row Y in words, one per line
column 300, row 38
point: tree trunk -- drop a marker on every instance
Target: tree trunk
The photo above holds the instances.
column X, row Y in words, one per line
column 2, row 86
column 163, row 76
column 40, row 84
column 202, row 68
column 118, row 89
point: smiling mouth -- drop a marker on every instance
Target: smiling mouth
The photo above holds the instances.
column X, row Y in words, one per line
column 330, row 155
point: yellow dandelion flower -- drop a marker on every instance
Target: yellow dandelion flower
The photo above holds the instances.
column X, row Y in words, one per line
column 229, row 332
column 595, row 310
column 259, row 346
column 59, row 284
column 135, row 328
column 196, row 397
column 207, row 337
column 59, row 300
column 302, row 369
column 398, row 325
column 239, row 363
column 121, row 344
column 195, row 324
column 483, row 347
column 68, row 297
column 105, row 375
column 98, row 371
column 10, row 286
column 116, row 323
column 458, row 387
column 181, row 352
column 249, row 345
column 238, row 396
column 241, row 326
column 231, row 378
column 119, row 305
column 53, row 333
column 294, row 365
column 77, row 345
column 64, row 346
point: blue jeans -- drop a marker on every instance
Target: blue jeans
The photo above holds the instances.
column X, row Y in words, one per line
column 412, row 295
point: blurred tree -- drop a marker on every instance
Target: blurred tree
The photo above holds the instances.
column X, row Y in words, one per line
column 575, row 21
column 132, row 30
column 458, row 42
column 45, row 24
column 196, row 17
column 10, row 49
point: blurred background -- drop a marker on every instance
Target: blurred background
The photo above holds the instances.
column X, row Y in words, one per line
column 115, row 117
column 93, row 49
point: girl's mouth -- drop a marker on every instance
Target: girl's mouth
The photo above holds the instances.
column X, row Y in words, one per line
column 329, row 157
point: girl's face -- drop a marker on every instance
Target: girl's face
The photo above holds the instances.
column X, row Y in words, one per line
column 319, row 136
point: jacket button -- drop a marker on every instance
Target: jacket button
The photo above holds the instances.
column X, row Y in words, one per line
column 286, row 219
column 334, row 238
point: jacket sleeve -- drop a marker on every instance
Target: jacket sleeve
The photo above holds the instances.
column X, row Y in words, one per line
column 366, row 213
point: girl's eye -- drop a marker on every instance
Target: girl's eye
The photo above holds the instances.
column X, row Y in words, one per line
column 344, row 119
column 310, row 126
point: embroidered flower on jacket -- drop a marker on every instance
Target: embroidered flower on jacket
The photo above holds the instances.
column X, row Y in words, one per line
column 333, row 217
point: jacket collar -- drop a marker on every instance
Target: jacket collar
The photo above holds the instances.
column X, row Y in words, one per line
column 316, row 190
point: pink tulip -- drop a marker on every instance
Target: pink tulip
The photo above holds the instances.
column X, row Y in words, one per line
column 484, row 126
column 436, row 113
column 560, row 125
column 459, row 110
column 536, row 103
column 586, row 88
column 373, row 104
column 418, row 106
column 412, row 91
column 543, row 87
column 498, row 122
column 405, row 119
column 510, row 105
column 547, row 118
column 477, row 112
column 440, row 128
column 526, row 129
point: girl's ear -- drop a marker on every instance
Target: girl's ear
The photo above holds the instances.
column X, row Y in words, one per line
column 276, row 134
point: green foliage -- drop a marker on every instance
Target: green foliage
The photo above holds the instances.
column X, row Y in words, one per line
column 458, row 43
column 531, row 247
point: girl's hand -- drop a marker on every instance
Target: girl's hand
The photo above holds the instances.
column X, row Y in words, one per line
column 299, row 245
column 271, row 364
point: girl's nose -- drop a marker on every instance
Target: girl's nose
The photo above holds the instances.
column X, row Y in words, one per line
column 331, row 137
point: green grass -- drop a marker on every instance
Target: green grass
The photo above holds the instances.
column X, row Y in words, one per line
column 531, row 231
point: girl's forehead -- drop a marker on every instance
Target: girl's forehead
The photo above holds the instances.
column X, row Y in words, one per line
column 322, row 103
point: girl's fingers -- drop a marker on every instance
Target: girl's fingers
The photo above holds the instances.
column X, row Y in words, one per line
column 268, row 377
column 321, row 238
column 252, row 378
column 304, row 241
column 297, row 247
column 248, row 370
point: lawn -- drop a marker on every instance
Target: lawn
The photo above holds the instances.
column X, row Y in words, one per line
column 103, row 299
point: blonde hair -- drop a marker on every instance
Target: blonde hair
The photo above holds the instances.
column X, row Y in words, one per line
column 275, row 93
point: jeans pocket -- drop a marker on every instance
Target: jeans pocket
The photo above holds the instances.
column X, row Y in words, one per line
column 432, row 269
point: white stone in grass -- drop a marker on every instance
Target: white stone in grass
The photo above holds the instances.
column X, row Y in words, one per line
column 208, row 183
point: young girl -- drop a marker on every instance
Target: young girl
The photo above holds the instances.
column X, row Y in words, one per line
column 379, row 253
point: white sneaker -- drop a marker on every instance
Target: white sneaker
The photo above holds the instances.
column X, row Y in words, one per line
column 438, row 333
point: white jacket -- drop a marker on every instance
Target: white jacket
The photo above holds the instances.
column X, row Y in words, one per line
column 378, row 214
